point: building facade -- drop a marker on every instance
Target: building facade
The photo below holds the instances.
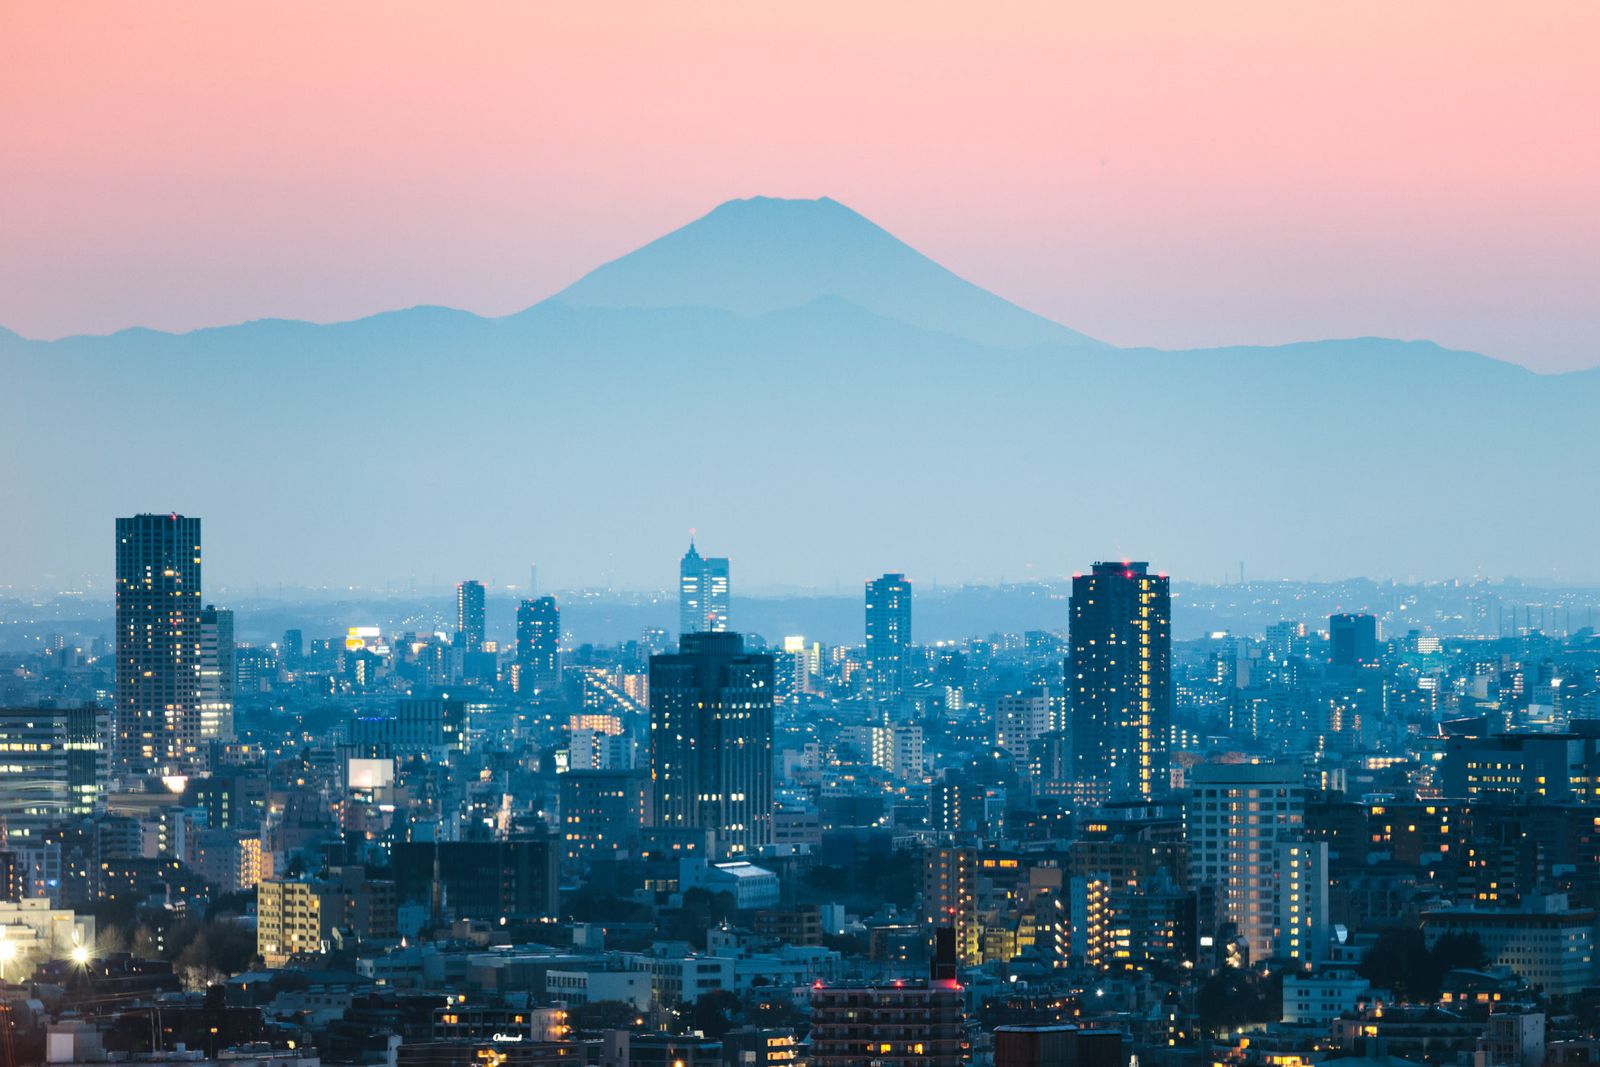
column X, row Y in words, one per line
column 157, row 716
column 711, row 708
column 1119, row 677
column 888, row 636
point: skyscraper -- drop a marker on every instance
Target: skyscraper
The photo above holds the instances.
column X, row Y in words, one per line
column 216, row 674
column 538, row 643
column 711, row 741
column 158, row 643
column 1353, row 640
column 469, row 616
column 1119, row 677
column 888, row 635
column 703, row 593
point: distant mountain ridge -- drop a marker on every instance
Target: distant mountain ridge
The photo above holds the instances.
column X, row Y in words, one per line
column 764, row 254
column 829, row 401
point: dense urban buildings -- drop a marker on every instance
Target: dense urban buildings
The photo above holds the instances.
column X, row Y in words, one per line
column 438, row 832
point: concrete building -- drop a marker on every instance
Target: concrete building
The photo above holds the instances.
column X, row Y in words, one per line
column 1237, row 816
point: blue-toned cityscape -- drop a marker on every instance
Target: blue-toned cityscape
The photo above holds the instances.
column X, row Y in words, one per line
column 1313, row 822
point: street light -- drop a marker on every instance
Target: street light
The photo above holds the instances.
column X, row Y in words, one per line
column 80, row 955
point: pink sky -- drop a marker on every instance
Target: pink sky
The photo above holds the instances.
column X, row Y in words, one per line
column 1183, row 174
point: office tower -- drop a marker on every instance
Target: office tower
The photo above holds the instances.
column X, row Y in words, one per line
column 906, row 1023
column 703, row 593
column 157, row 717
column 711, row 741
column 216, row 674
column 1352, row 640
column 1237, row 816
column 469, row 616
column 888, row 636
column 538, row 657
column 55, row 766
column 1119, row 677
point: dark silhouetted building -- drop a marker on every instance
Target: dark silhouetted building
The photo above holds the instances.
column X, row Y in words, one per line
column 538, row 659
column 711, row 741
column 1119, row 677
column 1060, row 1045
column 157, row 717
column 488, row 880
column 1352, row 640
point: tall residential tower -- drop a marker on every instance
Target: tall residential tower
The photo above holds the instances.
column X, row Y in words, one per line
column 888, row 635
column 538, row 659
column 469, row 616
column 1119, row 677
column 157, row 718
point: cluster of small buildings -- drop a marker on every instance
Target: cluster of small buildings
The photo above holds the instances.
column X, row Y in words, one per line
column 1079, row 846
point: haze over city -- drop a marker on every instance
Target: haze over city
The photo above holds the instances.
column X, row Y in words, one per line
column 826, row 535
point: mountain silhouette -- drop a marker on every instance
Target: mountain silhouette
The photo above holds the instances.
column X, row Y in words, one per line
column 765, row 254
column 821, row 401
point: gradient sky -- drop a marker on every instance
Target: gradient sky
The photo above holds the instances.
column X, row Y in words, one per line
column 1167, row 174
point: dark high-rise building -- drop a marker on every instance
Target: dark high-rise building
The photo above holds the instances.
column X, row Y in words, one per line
column 157, row 717
column 711, row 741
column 216, row 674
column 538, row 644
column 487, row 880
column 703, row 593
column 469, row 616
column 1352, row 640
column 1119, row 677
column 888, row 635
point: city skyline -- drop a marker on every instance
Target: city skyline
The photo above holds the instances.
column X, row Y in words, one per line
column 828, row 535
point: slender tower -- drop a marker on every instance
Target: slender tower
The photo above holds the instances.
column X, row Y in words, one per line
column 158, row 721
column 1119, row 677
